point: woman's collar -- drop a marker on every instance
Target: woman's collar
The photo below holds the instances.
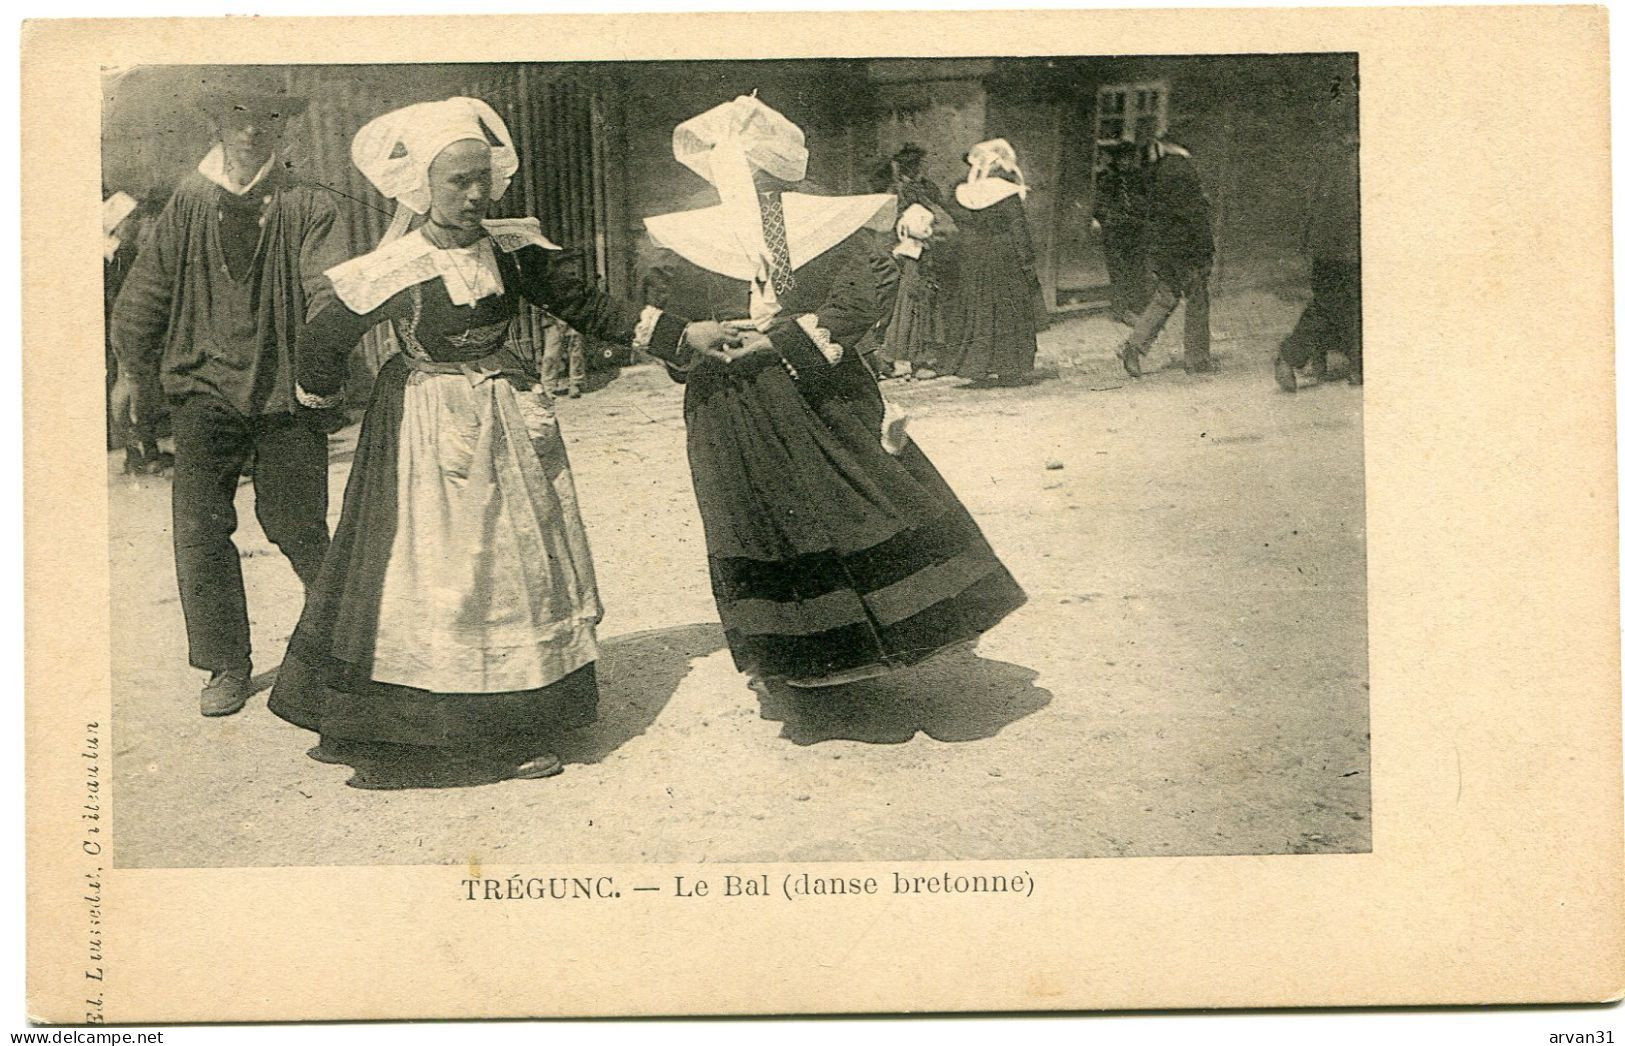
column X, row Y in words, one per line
column 983, row 193
column 813, row 225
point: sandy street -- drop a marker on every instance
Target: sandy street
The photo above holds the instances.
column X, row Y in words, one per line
column 1188, row 676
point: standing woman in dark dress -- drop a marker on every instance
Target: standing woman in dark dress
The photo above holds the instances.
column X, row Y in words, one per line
column 457, row 608
column 993, row 326
column 837, row 552
column 917, row 329
column 916, row 334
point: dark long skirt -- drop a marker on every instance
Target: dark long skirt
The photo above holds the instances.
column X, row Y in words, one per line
column 830, row 558
column 993, row 319
column 325, row 681
column 917, row 332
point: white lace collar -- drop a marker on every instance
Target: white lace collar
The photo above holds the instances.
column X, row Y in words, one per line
column 982, row 193
column 812, row 225
column 470, row 274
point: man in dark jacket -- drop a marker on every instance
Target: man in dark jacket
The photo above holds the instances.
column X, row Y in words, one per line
column 1179, row 251
column 1120, row 205
column 212, row 306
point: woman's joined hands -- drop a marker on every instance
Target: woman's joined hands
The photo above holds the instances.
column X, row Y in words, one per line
column 727, row 342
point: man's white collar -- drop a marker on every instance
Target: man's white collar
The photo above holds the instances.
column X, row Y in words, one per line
column 213, row 167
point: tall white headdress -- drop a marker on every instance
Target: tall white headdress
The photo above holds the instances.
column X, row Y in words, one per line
column 725, row 145
column 395, row 150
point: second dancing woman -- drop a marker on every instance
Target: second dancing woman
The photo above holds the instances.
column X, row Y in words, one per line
column 836, row 550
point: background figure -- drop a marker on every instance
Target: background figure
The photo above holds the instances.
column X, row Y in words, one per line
column 908, row 181
column 902, row 176
column 563, row 346
column 993, row 324
column 1331, row 320
column 915, row 337
column 212, row 307
column 126, row 224
column 1179, row 250
column 1120, row 213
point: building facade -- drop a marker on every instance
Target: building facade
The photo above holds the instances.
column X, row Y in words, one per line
column 595, row 141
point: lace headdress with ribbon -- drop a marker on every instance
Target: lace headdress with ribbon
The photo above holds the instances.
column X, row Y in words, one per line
column 725, row 145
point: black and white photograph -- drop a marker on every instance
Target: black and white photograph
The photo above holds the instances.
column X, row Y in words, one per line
column 781, row 460
column 755, row 514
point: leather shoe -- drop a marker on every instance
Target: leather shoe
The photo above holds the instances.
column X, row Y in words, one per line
column 538, row 766
column 226, row 691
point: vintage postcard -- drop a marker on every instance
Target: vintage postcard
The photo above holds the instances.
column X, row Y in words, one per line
column 887, row 514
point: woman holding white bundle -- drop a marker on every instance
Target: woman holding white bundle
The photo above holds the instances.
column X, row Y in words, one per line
column 457, row 607
column 916, row 334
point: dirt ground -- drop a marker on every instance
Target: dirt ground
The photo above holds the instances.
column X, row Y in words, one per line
column 1188, row 676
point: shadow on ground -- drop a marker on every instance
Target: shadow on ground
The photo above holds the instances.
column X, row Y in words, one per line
column 637, row 676
column 956, row 696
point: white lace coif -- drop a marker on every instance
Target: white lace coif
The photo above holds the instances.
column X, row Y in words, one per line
column 395, row 150
column 725, row 145
column 768, row 140
column 989, row 157
column 993, row 177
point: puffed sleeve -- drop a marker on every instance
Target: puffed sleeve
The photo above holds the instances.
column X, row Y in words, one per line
column 325, row 342
column 322, row 245
column 589, row 310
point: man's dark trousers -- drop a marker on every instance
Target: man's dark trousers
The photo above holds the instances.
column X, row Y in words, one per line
column 212, row 444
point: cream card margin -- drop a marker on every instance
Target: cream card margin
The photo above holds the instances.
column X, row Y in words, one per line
column 1491, row 521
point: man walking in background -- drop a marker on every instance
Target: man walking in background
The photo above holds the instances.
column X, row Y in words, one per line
column 1179, row 251
column 1120, row 203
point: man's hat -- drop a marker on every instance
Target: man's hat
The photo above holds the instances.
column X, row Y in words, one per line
column 252, row 92
column 908, row 150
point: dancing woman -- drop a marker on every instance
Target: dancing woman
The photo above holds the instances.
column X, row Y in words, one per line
column 837, row 552
column 457, row 608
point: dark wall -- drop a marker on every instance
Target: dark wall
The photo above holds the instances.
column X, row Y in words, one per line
column 1259, row 126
